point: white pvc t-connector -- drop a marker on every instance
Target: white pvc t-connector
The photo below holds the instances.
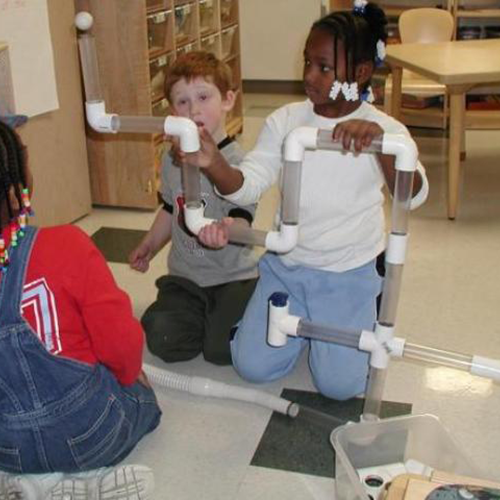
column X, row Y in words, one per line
column 298, row 140
column 381, row 344
column 98, row 119
column 486, row 367
column 284, row 240
column 186, row 130
column 195, row 219
column 404, row 148
column 280, row 323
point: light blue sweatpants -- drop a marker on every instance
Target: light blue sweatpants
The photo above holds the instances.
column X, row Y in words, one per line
column 346, row 300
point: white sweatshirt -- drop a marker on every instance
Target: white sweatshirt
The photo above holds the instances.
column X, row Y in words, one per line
column 341, row 221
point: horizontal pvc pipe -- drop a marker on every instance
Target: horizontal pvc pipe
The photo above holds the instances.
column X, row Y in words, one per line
column 202, row 386
column 325, row 141
column 139, row 124
column 340, row 336
column 246, row 235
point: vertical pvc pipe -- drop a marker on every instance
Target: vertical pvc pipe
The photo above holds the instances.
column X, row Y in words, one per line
column 90, row 68
column 191, row 184
column 392, row 285
column 291, row 192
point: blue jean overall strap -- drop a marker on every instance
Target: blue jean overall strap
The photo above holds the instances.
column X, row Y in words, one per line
column 58, row 414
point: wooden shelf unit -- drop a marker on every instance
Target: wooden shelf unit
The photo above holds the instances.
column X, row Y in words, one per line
column 136, row 42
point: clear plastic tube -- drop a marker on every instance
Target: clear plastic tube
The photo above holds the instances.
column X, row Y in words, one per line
column 325, row 141
column 90, row 68
column 374, row 393
column 291, row 192
column 139, row 124
column 390, row 294
column 345, row 337
column 246, row 235
column 438, row 356
column 401, row 202
column 191, row 185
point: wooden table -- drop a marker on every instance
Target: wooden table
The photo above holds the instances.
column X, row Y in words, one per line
column 460, row 65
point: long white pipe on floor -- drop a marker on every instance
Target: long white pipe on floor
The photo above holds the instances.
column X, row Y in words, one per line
column 202, row 386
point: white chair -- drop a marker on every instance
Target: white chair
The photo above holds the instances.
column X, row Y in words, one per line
column 422, row 25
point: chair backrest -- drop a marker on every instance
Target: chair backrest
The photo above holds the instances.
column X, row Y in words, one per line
column 426, row 25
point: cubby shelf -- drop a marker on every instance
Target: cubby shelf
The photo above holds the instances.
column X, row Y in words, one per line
column 136, row 42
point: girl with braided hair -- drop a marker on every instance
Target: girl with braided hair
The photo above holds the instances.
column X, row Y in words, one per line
column 73, row 399
column 330, row 276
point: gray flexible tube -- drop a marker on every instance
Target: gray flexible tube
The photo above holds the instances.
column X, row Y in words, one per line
column 202, row 386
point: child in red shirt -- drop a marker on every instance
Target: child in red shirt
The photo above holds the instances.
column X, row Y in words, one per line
column 73, row 396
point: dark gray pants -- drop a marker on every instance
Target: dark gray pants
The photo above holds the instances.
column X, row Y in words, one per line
column 187, row 319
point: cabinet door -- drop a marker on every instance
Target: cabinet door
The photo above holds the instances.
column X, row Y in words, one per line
column 122, row 165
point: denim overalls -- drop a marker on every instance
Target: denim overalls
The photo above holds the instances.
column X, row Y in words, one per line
column 58, row 414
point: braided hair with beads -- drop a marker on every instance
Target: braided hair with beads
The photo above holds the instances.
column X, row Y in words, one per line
column 12, row 177
column 363, row 33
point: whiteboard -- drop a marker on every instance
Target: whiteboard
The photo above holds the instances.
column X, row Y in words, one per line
column 24, row 26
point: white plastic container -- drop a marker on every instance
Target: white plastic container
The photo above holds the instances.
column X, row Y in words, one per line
column 369, row 454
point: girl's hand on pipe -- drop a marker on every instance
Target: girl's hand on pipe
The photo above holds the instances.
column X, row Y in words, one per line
column 208, row 153
column 216, row 235
column 359, row 132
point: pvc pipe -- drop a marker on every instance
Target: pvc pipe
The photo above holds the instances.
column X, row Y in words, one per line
column 202, row 386
column 90, row 68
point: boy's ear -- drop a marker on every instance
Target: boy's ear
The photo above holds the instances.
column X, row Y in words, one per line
column 364, row 71
column 228, row 100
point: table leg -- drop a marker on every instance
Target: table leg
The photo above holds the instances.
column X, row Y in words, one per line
column 397, row 81
column 457, row 111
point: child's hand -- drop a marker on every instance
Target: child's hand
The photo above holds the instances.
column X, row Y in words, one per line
column 208, row 152
column 361, row 132
column 216, row 235
column 140, row 257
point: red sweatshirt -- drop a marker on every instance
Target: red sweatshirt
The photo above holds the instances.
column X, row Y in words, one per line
column 72, row 302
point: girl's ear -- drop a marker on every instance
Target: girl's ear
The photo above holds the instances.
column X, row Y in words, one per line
column 228, row 100
column 364, row 71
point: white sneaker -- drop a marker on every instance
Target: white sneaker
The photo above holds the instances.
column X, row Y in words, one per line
column 127, row 482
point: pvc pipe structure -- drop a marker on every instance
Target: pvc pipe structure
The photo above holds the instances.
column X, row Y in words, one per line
column 202, row 386
column 296, row 143
column 111, row 123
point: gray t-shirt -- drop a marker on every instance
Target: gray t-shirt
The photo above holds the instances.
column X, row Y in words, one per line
column 187, row 257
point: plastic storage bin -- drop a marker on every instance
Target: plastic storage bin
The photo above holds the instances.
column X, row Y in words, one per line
column 159, row 29
column 160, row 108
column 210, row 44
column 228, row 12
column 157, row 72
column 228, row 41
column 207, row 16
column 185, row 19
column 369, row 454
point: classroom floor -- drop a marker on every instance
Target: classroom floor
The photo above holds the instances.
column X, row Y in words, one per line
column 207, row 449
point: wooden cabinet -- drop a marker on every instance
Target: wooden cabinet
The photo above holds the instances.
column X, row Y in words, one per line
column 136, row 42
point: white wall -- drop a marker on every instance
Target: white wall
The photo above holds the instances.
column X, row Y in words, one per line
column 273, row 33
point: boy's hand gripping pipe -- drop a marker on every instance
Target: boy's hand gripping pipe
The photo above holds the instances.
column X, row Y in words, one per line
column 381, row 343
column 95, row 107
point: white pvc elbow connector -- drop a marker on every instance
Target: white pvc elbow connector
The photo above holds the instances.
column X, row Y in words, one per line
column 486, row 367
column 284, row 240
column 186, row 130
column 280, row 323
column 195, row 219
column 98, row 119
column 381, row 345
column 405, row 150
column 297, row 141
